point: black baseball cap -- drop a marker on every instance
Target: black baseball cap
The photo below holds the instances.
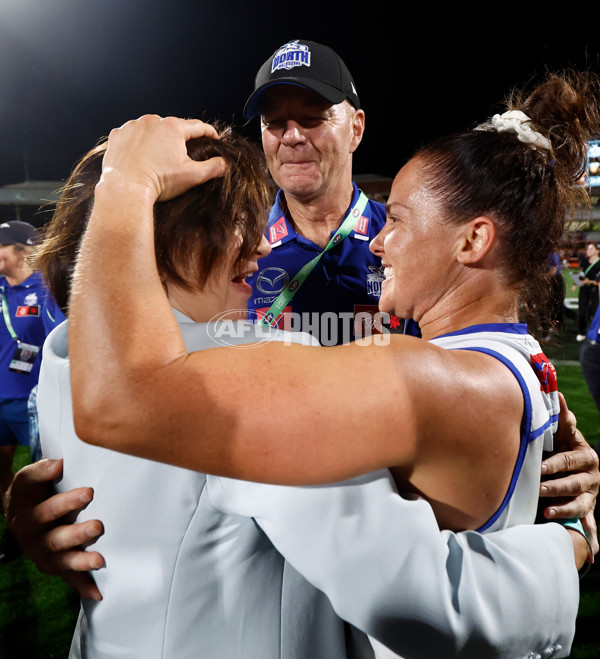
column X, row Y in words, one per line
column 18, row 232
column 308, row 64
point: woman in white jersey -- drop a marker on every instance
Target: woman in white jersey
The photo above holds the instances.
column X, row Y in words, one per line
column 471, row 221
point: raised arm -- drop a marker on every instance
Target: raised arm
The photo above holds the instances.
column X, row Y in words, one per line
column 139, row 357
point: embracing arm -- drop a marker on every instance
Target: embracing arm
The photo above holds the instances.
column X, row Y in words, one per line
column 225, row 410
column 36, row 517
column 420, row 591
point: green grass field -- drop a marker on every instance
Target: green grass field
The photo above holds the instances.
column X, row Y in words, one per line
column 37, row 612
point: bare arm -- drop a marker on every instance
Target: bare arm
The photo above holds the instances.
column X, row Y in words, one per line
column 340, row 412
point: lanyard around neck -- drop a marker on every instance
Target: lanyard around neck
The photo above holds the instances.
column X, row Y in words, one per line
column 590, row 266
column 6, row 314
column 292, row 288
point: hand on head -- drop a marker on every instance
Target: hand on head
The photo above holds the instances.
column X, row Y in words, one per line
column 151, row 152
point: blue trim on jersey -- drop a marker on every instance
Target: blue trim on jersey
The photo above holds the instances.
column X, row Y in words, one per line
column 526, row 434
column 507, row 328
column 542, row 429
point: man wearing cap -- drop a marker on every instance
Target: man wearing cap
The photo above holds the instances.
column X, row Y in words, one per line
column 22, row 294
column 320, row 273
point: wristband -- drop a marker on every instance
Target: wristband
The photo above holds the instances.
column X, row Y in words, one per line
column 575, row 524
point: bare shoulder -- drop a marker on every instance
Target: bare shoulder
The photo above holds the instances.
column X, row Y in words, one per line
column 469, row 407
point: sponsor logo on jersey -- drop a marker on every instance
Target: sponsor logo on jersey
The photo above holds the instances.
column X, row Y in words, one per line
column 375, row 278
column 545, row 372
column 33, row 310
column 278, row 231
column 362, row 225
column 30, row 300
column 291, row 55
column 272, row 281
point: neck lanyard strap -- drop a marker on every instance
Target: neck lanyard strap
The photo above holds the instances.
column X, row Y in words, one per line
column 292, row 288
column 6, row 314
column 590, row 266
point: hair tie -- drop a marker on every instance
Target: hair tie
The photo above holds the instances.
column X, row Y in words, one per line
column 515, row 121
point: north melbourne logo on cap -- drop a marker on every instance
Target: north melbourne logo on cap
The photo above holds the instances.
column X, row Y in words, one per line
column 291, row 55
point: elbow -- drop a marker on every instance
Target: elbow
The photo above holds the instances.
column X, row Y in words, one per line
column 96, row 419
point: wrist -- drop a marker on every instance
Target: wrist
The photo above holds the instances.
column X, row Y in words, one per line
column 131, row 186
column 582, row 548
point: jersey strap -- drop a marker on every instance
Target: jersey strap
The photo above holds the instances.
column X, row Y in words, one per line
column 290, row 290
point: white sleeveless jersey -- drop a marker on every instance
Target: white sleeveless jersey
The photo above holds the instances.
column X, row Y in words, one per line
column 523, row 355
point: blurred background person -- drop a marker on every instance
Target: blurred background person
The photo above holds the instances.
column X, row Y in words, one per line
column 557, row 298
column 22, row 294
column 588, row 291
column 589, row 358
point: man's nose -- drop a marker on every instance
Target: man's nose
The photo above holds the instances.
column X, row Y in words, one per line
column 292, row 133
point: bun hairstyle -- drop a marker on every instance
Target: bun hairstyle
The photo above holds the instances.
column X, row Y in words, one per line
column 521, row 169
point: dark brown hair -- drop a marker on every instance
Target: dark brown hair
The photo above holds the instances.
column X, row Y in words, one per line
column 527, row 191
column 193, row 232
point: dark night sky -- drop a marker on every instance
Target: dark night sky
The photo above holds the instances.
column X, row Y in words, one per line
column 70, row 70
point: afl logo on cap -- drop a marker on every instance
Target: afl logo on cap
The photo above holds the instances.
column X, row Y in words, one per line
column 291, row 55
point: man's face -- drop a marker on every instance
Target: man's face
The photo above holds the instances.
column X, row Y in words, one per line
column 308, row 142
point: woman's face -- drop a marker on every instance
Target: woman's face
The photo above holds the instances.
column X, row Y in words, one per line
column 10, row 260
column 592, row 251
column 226, row 293
column 416, row 247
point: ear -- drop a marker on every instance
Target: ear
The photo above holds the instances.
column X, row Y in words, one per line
column 358, row 129
column 478, row 238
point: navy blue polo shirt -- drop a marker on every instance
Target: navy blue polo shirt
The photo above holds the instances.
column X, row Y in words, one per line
column 345, row 282
column 25, row 301
column 593, row 333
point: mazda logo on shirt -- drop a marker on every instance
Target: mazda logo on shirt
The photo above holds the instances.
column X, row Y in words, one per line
column 271, row 281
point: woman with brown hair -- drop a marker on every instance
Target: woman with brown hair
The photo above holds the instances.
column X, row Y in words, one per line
column 461, row 417
column 480, row 211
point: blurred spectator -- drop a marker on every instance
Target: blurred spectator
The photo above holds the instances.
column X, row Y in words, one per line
column 589, row 357
column 22, row 293
column 557, row 283
column 588, row 291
